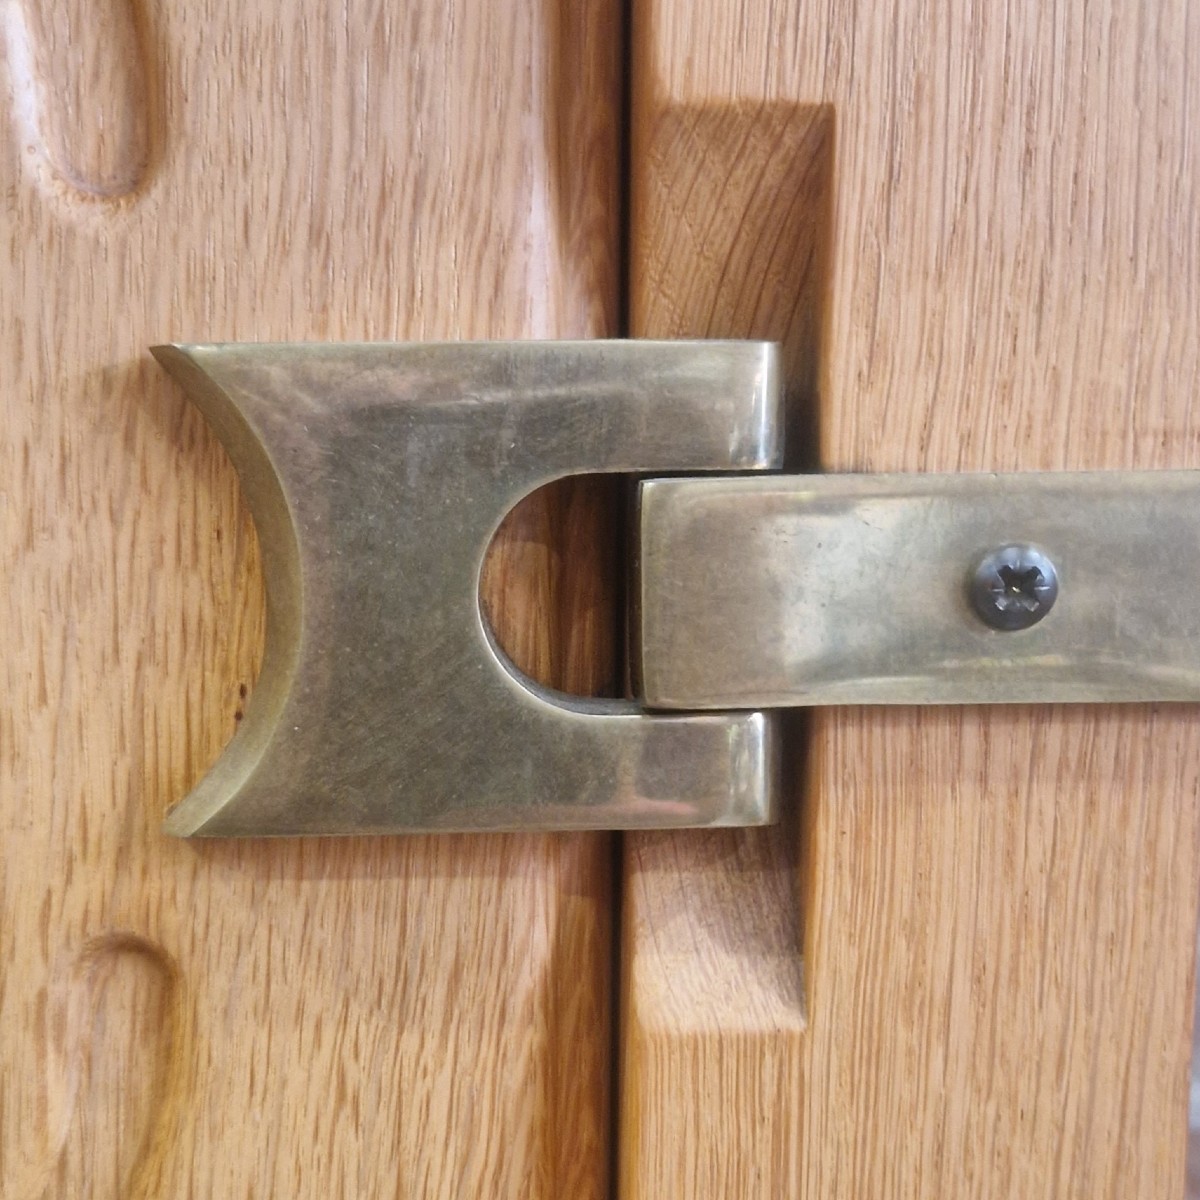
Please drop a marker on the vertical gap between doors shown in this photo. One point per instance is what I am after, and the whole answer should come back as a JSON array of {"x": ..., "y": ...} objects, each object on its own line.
[{"x": 624, "y": 221}]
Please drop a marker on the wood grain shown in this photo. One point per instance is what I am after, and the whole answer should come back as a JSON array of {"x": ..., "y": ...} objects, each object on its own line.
[
  {"x": 998, "y": 906},
  {"x": 422, "y": 1017}
]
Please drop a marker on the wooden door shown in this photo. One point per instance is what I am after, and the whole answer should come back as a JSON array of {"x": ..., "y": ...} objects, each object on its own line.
[
  {"x": 960, "y": 967},
  {"x": 964, "y": 969},
  {"x": 380, "y": 1017}
]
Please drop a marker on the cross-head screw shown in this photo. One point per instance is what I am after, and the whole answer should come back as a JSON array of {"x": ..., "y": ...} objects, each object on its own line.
[{"x": 1013, "y": 586}]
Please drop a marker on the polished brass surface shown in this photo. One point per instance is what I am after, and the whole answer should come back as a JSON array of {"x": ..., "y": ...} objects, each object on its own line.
[
  {"x": 855, "y": 589},
  {"x": 377, "y": 475}
]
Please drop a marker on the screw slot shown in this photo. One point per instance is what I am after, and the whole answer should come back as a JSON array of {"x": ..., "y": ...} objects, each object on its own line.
[{"x": 1013, "y": 587}]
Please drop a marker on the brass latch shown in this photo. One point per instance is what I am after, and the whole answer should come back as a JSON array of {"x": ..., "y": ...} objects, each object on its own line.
[{"x": 378, "y": 474}]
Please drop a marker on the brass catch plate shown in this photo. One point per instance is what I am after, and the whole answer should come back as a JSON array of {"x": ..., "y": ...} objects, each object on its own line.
[{"x": 377, "y": 476}]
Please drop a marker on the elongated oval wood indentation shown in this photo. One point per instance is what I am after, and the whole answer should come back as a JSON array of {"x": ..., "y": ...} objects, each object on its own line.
[
  {"x": 81, "y": 91},
  {"x": 112, "y": 1065}
]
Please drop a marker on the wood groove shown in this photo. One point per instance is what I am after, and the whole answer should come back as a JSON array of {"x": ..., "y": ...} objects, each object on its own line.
[
  {"x": 83, "y": 88},
  {"x": 113, "y": 1030}
]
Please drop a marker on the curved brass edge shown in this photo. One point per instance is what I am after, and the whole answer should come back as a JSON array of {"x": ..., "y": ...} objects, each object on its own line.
[{"x": 263, "y": 489}]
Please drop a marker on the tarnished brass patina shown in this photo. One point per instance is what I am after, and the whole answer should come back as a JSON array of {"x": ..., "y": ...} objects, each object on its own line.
[{"x": 377, "y": 476}]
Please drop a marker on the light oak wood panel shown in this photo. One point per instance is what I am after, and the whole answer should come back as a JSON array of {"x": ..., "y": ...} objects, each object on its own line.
[
  {"x": 370, "y": 1017},
  {"x": 998, "y": 907}
]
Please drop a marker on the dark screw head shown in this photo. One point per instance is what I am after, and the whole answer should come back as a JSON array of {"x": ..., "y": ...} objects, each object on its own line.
[{"x": 1014, "y": 587}]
